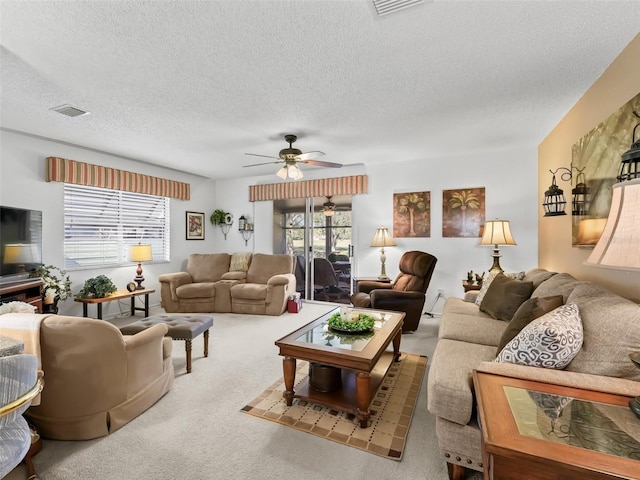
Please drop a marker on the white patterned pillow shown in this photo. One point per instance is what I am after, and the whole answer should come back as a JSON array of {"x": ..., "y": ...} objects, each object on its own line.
[
  {"x": 489, "y": 279},
  {"x": 240, "y": 262},
  {"x": 550, "y": 341}
]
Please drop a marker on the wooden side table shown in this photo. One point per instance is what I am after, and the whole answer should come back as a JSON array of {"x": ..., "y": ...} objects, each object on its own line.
[
  {"x": 117, "y": 295},
  {"x": 552, "y": 432}
]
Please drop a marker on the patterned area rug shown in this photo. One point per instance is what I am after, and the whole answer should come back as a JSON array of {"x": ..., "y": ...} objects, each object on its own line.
[{"x": 391, "y": 410}]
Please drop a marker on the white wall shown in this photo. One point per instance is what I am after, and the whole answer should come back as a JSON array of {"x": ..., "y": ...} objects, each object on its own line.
[
  {"x": 22, "y": 184},
  {"x": 509, "y": 178}
]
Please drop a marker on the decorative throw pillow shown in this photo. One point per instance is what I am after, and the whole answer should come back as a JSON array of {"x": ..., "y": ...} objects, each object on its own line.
[
  {"x": 550, "y": 341},
  {"x": 504, "y": 296},
  {"x": 527, "y": 312},
  {"x": 240, "y": 262},
  {"x": 487, "y": 283}
]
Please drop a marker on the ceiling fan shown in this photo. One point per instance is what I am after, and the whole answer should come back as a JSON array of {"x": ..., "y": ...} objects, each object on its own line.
[{"x": 291, "y": 157}]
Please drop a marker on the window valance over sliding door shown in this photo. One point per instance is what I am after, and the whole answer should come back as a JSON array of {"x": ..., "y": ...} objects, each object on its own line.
[
  {"x": 309, "y": 188},
  {"x": 70, "y": 171}
]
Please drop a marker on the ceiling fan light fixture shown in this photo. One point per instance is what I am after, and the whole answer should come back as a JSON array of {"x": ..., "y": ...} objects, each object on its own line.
[
  {"x": 282, "y": 173},
  {"x": 294, "y": 172}
]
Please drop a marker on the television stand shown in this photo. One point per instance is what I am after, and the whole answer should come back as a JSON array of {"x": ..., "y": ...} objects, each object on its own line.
[{"x": 28, "y": 291}]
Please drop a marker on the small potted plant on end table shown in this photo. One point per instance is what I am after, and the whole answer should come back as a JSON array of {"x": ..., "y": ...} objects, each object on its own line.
[{"x": 57, "y": 286}]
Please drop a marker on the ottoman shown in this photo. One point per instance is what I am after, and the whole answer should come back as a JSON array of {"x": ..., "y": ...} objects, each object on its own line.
[{"x": 181, "y": 327}]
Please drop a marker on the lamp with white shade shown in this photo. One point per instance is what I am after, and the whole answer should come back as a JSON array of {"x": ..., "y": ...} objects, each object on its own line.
[
  {"x": 619, "y": 244},
  {"x": 382, "y": 238},
  {"x": 497, "y": 232},
  {"x": 140, "y": 253}
]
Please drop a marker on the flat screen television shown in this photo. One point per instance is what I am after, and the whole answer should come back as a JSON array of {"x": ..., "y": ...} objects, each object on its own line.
[{"x": 20, "y": 243}]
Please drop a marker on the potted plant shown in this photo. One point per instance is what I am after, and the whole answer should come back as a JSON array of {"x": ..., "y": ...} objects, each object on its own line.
[
  {"x": 57, "y": 285},
  {"x": 97, "y": 287},
  {"x": 219, "y": 217}
]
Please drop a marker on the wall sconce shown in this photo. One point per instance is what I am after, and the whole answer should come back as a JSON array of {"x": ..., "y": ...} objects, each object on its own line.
[
  {"x": 226, "y": 226},
  {"x": 630, "y": 163},
  {"x": 497, "y": 232},
  {"x": 245, "y": 228},
  {"x": 140, "y": 253},
  {"x": 382, "y": 238},
  {"x": 554, "y": 202}
]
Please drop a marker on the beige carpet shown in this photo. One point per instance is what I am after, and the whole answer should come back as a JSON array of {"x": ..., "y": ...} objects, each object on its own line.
[{"x": 391, "y": 409}]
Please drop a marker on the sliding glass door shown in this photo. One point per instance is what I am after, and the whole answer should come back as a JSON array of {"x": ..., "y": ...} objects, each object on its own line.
[{"x": 318, "y": 232}]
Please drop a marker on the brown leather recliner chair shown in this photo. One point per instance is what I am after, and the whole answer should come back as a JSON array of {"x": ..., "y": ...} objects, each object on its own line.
[{"x": 405, "y": 294}]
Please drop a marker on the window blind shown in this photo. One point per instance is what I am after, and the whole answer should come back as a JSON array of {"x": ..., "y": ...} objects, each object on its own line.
[{"x": 100, "y": 224}]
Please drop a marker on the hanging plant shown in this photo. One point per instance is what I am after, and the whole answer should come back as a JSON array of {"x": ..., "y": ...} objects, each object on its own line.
[{"x": 218, "y": 217}]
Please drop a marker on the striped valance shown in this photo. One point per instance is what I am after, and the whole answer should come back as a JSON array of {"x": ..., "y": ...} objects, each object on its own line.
[
  {"x": 70, "y": 171},
  {"x": 309, "y": 188}
]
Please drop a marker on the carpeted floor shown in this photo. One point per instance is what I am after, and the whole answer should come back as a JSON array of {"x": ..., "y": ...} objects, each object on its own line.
[
  {"x": 198, "y": 432},
  {"x": 391, "y": 410}
]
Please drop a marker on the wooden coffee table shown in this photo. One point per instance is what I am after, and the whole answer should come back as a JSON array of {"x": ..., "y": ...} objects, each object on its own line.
[
  {"x": 362, "y": 360},
  {"x": 552, "y": 432}
]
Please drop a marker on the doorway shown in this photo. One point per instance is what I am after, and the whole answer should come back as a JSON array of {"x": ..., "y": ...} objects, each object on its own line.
[{"x": 317, "y": 231}]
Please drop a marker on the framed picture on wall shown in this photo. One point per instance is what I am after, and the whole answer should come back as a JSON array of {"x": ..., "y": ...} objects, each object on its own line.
[
  {"x": 412, "y": 214},
  {"x": 195, "y": 226},
  {"x": 462, "y": 212}
]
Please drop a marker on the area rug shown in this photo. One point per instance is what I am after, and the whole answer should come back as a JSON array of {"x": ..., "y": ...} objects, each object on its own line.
[{"x": 391, "y": 409}]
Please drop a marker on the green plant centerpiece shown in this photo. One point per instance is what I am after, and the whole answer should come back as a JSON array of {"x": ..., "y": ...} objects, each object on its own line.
[
  {"x": 57, "y": 283},
  {"x": 97, "y": 287},
  {"x": 219, "y": 217},
  {"x": 351, "y": 322}
]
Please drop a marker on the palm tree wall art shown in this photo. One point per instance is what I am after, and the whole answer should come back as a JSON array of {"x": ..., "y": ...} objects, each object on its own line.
[
  {"x": 412, "y": 214},
  {"x": 463, "y": 212}
]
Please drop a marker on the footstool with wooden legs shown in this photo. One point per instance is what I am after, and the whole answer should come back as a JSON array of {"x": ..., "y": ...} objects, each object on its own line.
[{"x": 181, "y": 327}]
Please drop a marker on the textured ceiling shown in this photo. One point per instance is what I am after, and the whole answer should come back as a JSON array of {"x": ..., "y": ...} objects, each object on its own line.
[{"x": 193, "y": 85}]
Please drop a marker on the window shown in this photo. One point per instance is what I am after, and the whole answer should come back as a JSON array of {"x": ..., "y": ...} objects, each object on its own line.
[{"x": 100, "y": 224}]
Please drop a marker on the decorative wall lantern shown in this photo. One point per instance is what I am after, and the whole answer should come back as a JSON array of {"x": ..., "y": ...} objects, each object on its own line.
[
  {"x": 554, "y": 202},
  {"x": 630, "y": 163}
]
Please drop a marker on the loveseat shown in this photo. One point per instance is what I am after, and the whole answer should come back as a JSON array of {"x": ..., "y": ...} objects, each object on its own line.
[
  {"x": 96, "y": 379},
  {"x": 221, "y": 282},
  {"x": 469, "y": 339}
]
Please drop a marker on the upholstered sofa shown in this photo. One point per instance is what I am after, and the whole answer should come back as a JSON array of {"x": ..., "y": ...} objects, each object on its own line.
[
  {"x": 240, "y": 283},
  {"x": 96, "y": 379},
  {"x": 469, "y": 339}
]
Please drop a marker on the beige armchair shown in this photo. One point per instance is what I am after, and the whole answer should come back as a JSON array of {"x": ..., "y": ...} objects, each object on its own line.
[{"x": 97, "y": 380}]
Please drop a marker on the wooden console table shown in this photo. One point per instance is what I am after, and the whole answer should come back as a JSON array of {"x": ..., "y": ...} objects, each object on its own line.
[
  {"x": 28, "y": 291},
  {"x": 118, "y": 295},
  {"x": 552, "y": 432}
]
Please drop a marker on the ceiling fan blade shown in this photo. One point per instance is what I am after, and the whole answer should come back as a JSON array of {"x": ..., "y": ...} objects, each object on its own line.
[
  {"x": 320, "y": 163},
  {"x": 265, "y": 163},
  {"x": 309, "y": 155},
  {"x": 265, "y": 156}
]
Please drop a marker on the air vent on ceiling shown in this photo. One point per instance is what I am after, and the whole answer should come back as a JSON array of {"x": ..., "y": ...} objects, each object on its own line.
[
  {"x": 69, "y": 110},
  {"x": 384, "y": 7}
]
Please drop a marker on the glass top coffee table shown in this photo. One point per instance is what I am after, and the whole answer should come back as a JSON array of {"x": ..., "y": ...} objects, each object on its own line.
[{"x": 345, "y": 369}]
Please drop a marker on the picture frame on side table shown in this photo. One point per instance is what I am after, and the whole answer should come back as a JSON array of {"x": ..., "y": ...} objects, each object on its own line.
[{"x": 195, "y": 226}]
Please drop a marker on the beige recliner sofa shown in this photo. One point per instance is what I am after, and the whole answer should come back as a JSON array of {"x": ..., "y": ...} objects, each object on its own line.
[
  {"x": 240, "y": 283},
  {"x": 96, "y": 379}
]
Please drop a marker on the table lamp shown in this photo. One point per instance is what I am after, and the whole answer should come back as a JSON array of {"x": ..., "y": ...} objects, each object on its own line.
[
  {"x": 382, "y": 238},
  {"x": 140, "y": 253},
  {"x": 497, "y": 232}
]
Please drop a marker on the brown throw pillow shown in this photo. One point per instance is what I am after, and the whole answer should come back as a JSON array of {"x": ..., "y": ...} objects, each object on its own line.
[
  {"x": 527, "y": 312},
  {"x": 504, "y": 296}
]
